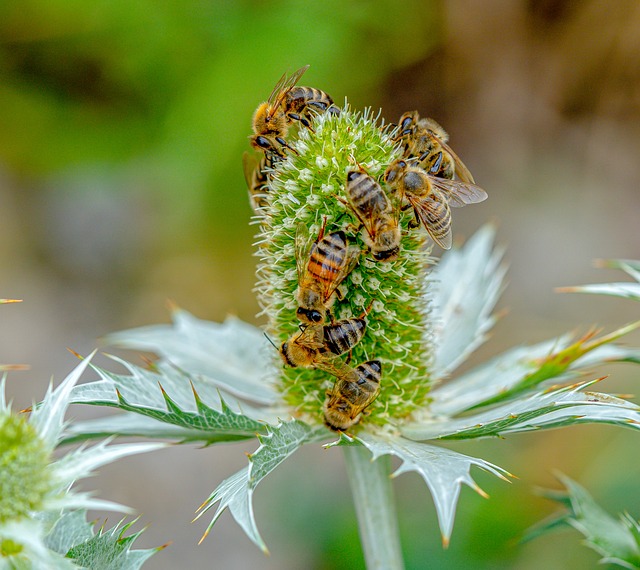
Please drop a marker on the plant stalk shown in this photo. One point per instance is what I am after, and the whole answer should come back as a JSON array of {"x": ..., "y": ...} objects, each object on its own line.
[{"x": 375, "y": 508}]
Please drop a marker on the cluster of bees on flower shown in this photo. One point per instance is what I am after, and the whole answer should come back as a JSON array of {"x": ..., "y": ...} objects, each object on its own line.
[{"x": 421, "y": 179}]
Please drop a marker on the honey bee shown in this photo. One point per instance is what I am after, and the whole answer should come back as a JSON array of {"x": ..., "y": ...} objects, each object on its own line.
[
  {"x": 316, "y": 345},
  {"x": 431, "y": 197},
  {"x": 380, "y": 221},
  {"x": 354, "y": 390},
  {"x": 321, "y": 269},
  {"x": 257, "y": 174},
  {"x": 287, "y": 103},
  {"x": 257, "y": 178},
  {"x": 426, "y": 140}
]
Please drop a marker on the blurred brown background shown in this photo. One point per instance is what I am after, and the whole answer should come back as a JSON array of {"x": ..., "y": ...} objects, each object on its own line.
[{"x": 122, "y": 126}]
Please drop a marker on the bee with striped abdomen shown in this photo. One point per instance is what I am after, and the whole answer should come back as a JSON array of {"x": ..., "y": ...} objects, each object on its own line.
[
  {"x": 430, "y": 197},
  {"x": 322, "y": 266},
  {"x": 287, "y": 103},
  {"x": 353, "y": 390},
  {"x": 380, "y": 220},
  {"x": 315, "y": 346},
  {"x": 426, "y": 140}
]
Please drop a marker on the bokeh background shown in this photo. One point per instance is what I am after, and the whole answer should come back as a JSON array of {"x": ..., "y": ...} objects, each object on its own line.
[{"x": 122, "y": 125}]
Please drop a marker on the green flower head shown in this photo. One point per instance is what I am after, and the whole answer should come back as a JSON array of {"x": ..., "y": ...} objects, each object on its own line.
[{"x": 306, "y": 198}]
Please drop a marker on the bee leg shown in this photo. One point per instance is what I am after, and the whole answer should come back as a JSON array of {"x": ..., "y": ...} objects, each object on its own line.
[
  {"x": 341, "y": 292},
  {"x": 322, "y": 228},
  {"x": 349, "y": 357},
  {"x": 302, "y": 119},
  {"x": 436, "y": 166},
  {"x": 415, "y": 221},
  {"x": 285, "y": 144},
  {"x": 366, "y": 311}
]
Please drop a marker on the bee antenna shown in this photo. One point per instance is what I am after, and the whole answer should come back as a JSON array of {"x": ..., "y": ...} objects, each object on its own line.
[{"x": 269, "y": 339}]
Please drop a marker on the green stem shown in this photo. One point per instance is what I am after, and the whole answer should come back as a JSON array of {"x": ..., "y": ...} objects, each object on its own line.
[{"x": 375, "y": 508}]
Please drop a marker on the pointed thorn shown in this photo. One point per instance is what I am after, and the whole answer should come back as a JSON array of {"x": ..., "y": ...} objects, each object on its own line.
[
  {"x": 147, "y": 361},
  {"x": 13, "y": 367},
  {"x": 5, "y": 301},
  {"x": 445, "y": 541},
  {"x": 206, "y": 533},
  {"x": 572, "y": 289},
  {"x": 173, "y": 308},
  {"x": 78, "y": 356}
]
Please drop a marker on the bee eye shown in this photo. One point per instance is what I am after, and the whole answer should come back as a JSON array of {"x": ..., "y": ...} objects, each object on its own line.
[
  {"x": 263, "y": 142},
  {"x": 315, "y": 316}
]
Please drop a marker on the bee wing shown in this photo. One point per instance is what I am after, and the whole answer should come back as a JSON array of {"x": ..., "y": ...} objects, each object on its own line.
[
  {"x": 311, "y": 336},
  {"x": 334, "y": 365},
  {"x": 435, "y": 215},
  {"x": 284, "y": 85},
  {"x": 350, "y": 261},
  {"x": 461, "y": 170},
  {"x": 457, "y": 192},
  {"x": 302, "y": 247},
  {"x": 249, "y": 164},
  {"x": 370, "y": 222}
]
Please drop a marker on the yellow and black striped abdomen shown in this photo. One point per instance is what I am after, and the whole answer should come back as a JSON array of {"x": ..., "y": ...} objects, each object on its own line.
[
  {"x": 327, "y": 259},
  {"x": 299, "y": 98},
  {"x": 342, "y": 336},
  {"x": 366, "y": 195}
]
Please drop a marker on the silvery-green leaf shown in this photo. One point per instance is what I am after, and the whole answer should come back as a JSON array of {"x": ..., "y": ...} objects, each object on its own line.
[
  {"x": 68, "y": 529},
  {"x": 278, "y": 444},
  {"x": 467, "y": 284},
  {"x": 48, "y": 417},
  {"x": 167, "y": 395},
  {"x": 234, "y": 355},
  {"x": 111, "y": 550},
  {"x": 521, "y": 370},
  {"x": 443, "y": 470},
  {"x": 616, "y": 540},
  {"x": 77, "y": 500},
  {"x": 28, "y": 534},
  {"x": 629, "y": 266},
  {"x": 129, "y": 424},
  {"x": 564, "y": 406},
  {"x": 491, "y": 378},
  {"x": 624, "y": 290},
  {"x": 82, "y": 461},
  {"x": 4, "y": 407},
  {"x": 236, "y": 492},
  {"x": 141, "y": 388}
]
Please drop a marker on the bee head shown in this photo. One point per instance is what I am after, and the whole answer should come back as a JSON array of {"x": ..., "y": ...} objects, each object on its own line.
[
  {"x": 387, "y": 254},
  {"x": 309, "y": 315}
]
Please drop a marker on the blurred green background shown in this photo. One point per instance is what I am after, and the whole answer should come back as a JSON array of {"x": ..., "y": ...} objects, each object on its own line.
[{"x": 122, "y": 126}]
